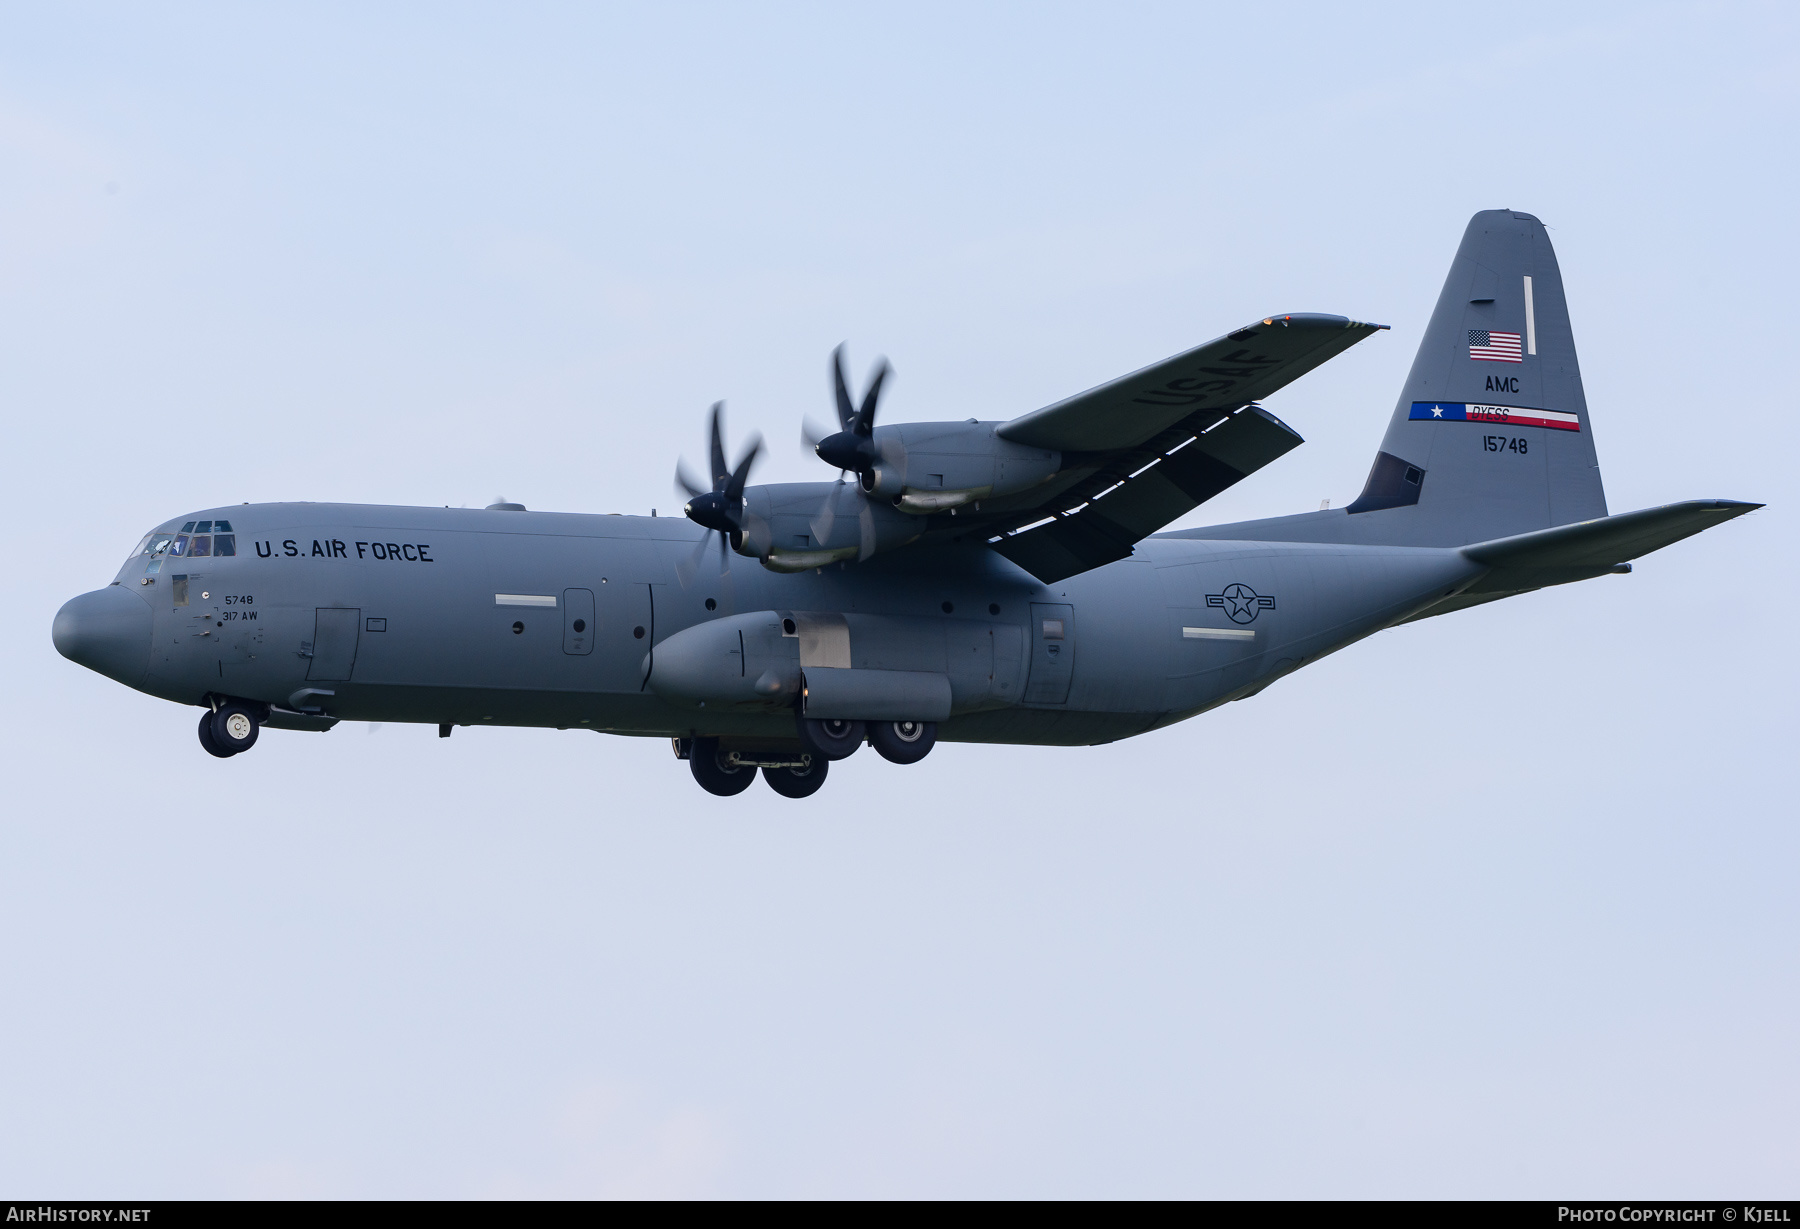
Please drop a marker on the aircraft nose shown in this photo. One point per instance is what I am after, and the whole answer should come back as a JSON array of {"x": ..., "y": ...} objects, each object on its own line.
[{"x": 107, "y": 631}]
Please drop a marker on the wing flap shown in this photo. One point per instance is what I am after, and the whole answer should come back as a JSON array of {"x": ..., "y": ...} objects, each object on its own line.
[
  {"x": 1158, "y": 489},
  {"x": 1243, "y": 366}
]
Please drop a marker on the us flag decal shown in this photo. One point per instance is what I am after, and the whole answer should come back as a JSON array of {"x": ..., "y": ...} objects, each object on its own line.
[{"x": 1493, "y": 346}]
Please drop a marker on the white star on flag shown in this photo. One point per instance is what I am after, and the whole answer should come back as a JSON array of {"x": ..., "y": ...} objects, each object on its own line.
[{"x": 1437, "y": 411}]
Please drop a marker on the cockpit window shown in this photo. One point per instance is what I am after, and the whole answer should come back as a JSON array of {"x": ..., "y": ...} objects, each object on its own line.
[
  {"x": 224, "y": 543},
  {"x": 200, "y": 545},
  {"x": 221, "y": 526},
  {"x": 142, "y": 548},
  {"x": 180, "y": 544},
  {"x": 203, "y": 527},
  {"x": 159, "y": 543},
  {"x": 188, "y": 528}
]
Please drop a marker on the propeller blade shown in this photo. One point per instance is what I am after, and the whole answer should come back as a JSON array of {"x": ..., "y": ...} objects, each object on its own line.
[
  {"x": 866, "y": 523},
  {"x": 720, "y": 471},
  {"x": 865, "y": 417},
  {"x": 757, "y": 538},
  {"x": 734, "y": 483},
  {"x": 845, "y": 411},
  {"x": 726, "y": 596},
  {"x": 688, "y": 568},
  {"x": 822, "y": 523},
  {"x": 684, "y": 481}
]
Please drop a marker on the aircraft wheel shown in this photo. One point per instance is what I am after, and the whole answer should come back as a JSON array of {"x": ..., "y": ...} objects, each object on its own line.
[
  {"x": 798, "y": 782},
  {"x": 206, "y": 737},
  {"x": 714, "y": 774},
  {"x": 234, "y": 727},
  {"x": 831, "y": 738},
  {"x": 903, "y": 742}
]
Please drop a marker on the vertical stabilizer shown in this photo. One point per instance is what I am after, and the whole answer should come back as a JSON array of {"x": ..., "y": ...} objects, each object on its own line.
[{"x": 1491, "y": 436}]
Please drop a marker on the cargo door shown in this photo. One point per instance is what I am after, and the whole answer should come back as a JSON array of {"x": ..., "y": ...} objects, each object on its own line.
[
  {"x": 578, "y": 622},
  {"x": 1052, "y": 653},
  {"x": 335, "y": 631}
]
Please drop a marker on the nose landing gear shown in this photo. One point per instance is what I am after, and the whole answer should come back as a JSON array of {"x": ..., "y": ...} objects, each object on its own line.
[{"x": 230, "y": 728}]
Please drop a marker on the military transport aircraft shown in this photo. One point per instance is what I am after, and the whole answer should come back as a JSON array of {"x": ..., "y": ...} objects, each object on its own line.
[{"x": 998, "y": 582}]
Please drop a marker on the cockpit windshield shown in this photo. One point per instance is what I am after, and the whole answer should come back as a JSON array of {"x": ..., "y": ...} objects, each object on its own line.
[{"x": 196, "y": 539}]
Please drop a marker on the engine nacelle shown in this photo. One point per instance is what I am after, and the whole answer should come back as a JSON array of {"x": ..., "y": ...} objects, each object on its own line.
[
  {"x": 931, "y": 467},
  {"x": 798, "y": 526}
]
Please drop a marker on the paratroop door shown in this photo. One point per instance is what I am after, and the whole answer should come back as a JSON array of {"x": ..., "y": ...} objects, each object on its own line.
[
  {"x": 1052, "y": 653},
  {"x": 334, "y": 644}
]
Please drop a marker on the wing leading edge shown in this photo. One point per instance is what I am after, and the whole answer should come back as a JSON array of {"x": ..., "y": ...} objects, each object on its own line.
[{"x": 1243, "y": 366}]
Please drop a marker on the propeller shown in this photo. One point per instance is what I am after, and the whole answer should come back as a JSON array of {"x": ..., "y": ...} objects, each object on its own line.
[
  {"x": 852, "y": 449},
  {"x": 719, "y": 508}
]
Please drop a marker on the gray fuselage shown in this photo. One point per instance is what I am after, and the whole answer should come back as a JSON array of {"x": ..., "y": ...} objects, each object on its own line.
[{"x": 456, "y": 616}]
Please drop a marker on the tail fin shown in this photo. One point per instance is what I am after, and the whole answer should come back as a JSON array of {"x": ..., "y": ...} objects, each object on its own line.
[{"x": 1491, "y": 437}]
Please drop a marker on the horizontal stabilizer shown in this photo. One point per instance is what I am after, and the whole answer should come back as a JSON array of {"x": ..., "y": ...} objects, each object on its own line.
[
  {"x": 1584, "y": 550},
  {"x": 1595, "y": 546}
]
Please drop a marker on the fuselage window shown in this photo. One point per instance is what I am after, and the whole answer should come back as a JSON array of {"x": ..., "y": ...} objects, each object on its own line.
[
  {"x": 224, "y": 543},
  {"x": 201, "y": 544}
]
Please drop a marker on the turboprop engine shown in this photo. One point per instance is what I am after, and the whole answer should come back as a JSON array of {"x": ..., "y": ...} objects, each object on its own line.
[
  {"x": 922, "y": 468},
  {"x": 928, "y": 467}
]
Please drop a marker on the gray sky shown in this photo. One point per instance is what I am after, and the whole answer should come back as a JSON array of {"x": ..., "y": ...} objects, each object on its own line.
[{"x": 1500, "y": 904}]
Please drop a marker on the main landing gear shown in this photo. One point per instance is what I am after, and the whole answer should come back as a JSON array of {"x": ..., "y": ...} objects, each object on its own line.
[
  {"x": 728, "y": 771},
  {"x": 230, "y": 727},
  {"x": 798, "y": 772}
]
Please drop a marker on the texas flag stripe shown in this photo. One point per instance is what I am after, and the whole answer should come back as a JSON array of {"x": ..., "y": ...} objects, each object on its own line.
[{"x": 1501, "y": 415}]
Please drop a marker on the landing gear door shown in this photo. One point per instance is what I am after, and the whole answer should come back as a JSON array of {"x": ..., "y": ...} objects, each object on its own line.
[
  {"x": 578, "y": 621},
  {"x": 1052, "y": 653},
  {"x": 334, "y": 644}
]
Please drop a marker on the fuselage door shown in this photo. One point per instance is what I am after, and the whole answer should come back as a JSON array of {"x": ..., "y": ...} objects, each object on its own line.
[
  {"x": 334, "y": 644},
  {"x": 1052, "y": 653},
  {"x": 578, "y": 621}
]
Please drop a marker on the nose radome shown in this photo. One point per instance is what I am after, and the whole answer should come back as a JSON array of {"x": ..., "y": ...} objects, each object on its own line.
[{"x": 107, "y": 631}]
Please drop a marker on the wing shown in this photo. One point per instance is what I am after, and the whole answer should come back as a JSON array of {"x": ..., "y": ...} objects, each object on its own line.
[
  {"x": 1152, "y": 446},
  {"x": 1240, "y": 367}
]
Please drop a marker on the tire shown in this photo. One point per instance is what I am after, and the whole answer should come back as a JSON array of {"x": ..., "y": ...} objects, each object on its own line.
[
  {"x": 903, "y": 742},
  {"x": 715, "y": 776},
  {"x": 206, "y": 737},
  {"x": 832, "y": 739},
  {"x": 234, "y": 727},
  {"x": 798, "y": 782}
]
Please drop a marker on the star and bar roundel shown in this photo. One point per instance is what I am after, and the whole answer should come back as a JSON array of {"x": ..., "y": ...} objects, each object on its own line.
[{"x": 1240, "y": 603}]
